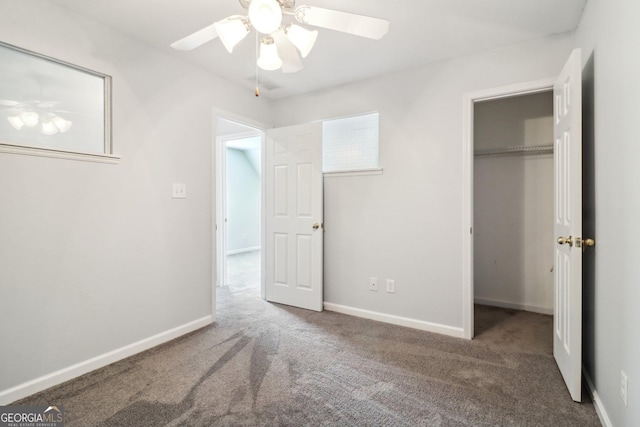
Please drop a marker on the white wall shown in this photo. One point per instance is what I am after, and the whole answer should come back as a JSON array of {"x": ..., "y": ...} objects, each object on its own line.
[
  {"x": 609, "y": 35},
  {"x": 95, "y": 257},
  {"x": 243, "y": 203},
  {"x": 407, "y": 223},
  {"x": 513, "y": 204}
]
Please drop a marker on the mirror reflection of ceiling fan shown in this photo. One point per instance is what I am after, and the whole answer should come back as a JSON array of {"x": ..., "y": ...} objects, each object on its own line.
[
  {"x": 282, "y": 40},
  {"x": 29, "y": 114}
]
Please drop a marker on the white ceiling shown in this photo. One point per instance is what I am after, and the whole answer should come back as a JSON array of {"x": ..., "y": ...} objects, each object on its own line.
[{"x": 421, "y": 31}]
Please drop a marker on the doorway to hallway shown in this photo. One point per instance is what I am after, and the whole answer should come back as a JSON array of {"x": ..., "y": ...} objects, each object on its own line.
[{"x": 239, "y": 207}]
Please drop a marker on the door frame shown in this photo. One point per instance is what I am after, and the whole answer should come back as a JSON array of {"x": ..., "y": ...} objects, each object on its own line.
[
  {"x": 218, "y": 187},
  {"x": 469, "y": 100}
]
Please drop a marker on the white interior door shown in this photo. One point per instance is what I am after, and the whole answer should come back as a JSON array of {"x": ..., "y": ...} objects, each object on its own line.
[
  {"x": 567, "y": 334},
  {"x": 294, "y": 214}
]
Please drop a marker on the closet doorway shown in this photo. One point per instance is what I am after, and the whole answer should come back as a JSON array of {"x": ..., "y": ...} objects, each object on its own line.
[{"x": 513, "y": 203}]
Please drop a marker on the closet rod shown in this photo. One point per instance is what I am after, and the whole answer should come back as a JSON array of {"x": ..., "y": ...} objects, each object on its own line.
[{"x": 524, "y": 149}]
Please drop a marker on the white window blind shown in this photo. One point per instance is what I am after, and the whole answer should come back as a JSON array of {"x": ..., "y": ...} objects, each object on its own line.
[{"x": 350, "y": 143}]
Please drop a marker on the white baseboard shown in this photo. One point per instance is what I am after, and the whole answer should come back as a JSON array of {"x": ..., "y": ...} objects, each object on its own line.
[
  {"x": 514, "y": 306},
  {"x": 30, "y": 387},
  {"x": 597, "y": 402},
  {"x": 243, "y": 250},
  {"x": 396, "y": 320}
]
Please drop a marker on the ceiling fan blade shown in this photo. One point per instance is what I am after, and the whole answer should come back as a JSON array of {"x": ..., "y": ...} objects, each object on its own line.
[
  {"x": 196, "y": 39},
  {"x": 291, "y": 62},
  {"x": 359, "y": 25}
]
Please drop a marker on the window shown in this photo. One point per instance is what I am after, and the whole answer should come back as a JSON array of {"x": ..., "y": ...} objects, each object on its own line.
[
  {"x": 350, "y": 144},
  {"x": 53, "y": 108}
]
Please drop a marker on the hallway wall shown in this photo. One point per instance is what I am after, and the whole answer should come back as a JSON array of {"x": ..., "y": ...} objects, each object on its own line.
[{"x": 243, "y": 203}]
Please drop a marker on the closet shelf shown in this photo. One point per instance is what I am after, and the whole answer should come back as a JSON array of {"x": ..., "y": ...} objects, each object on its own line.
[{"x": 524, "y": 149}]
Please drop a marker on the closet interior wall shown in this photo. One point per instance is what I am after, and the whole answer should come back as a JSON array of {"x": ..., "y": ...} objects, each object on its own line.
[{"x": 513, "y": 202}]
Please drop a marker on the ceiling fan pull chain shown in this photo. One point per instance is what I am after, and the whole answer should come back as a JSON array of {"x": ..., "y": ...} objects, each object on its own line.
[{"x": 257, "y": 68}]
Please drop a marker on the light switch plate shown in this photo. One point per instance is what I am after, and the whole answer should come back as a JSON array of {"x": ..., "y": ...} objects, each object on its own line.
[
  {"x": 391, "y": 286},
  {"x": 179, "y": 191}
]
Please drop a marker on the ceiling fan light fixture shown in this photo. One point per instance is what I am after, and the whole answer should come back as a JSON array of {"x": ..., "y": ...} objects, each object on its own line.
[
  {"x": 231, "y": 31},
  {"x": 29, "y": 118},
  {"x": 265, "y": 15},
  {"x": 62, "y": 124},
  {"x": 16, "y": 122},
  {"x": 302, "y": 38},
  {"x": 269, "y": 59},
  {"x": 49, "y": 128}
]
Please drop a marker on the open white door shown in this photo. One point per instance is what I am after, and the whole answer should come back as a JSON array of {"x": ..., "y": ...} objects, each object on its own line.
[
  {"x": 293, "y": 215},
  {"x": 567, "y": 331}
]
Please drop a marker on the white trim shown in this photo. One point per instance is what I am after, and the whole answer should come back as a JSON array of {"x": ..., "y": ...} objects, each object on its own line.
[
  {"x": 58, "y": 154},
  {"x": 469, "y": 99},
  {"x": 508, "y": 91},
  {"x": 220, "y": 210},
  {"x": 354, "y": 172},
  {"x": 263, "y": 216},
  {"x": 514, "y": 306},
  {"x": 467, "y": 217},
  {"x": 240, "y": 135},
  {"x": 44, "y": 382},
  {"x": 396, "y": 320},
  {"x": 214, "y": 255},
  {"x": 243, "y": 250},
  {"x": 597, "y": 402}
]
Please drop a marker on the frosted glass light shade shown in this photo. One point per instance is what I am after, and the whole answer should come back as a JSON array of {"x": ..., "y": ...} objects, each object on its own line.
[
  {"x": 49, "y": 128},
  {"x": 265, "y": 15},
  {"x": 16, "y": 122},
  {"x": 231, "y": 32},
  {"x": 269, "y": 59},
  {"x": 302, "y": 38},
  {"x": 29, "y": 118},
  {"x": 62, "y": 124}
]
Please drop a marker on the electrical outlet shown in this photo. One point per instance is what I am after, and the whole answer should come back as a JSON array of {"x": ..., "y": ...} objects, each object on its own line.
[
  {"x": 373, "y": 284},
  {"x": 391, "y": 286},
  {"x": 623, "y": 388}
]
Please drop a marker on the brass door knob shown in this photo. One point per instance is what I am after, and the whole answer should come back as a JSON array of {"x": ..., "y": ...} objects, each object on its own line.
[
  {"x": 565, "y": 240},
  {"x": 316, "y": 226},
  {"x": 587, "y": 243}
]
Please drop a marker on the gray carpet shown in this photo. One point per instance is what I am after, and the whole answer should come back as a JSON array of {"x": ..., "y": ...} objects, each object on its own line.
[
  {"x": 262, "y": 364},
  {"x": 243, "y": 272}
]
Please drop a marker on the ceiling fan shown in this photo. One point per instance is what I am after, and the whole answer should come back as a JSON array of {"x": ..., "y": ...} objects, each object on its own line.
[
  {"x": 282, "y": 40},
  {"x": 30, "y": 114}
]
